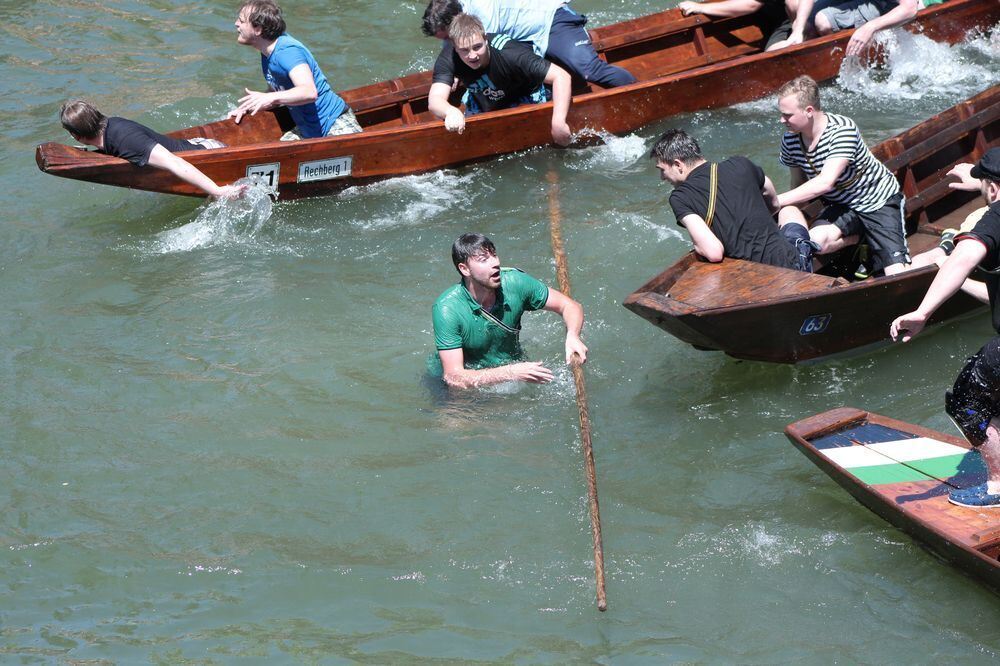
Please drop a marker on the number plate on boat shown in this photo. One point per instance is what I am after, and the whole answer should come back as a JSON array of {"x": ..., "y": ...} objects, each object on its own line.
[
  {"x": 268, "y": 173},
  {"x": 815, "y": 324},
  {"x": 335, "y": 167}
]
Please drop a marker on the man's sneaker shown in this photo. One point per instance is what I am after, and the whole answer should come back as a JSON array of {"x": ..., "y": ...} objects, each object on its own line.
[
  {"x": 806, "y": 249},
  {"x": 975, "y": 497},
  {"x": 948, "y": 240},
  {"x": 862, "y": 256}
]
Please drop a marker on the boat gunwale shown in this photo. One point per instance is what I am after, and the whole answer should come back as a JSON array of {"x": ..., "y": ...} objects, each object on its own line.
[{"x": 837, "y": 419}]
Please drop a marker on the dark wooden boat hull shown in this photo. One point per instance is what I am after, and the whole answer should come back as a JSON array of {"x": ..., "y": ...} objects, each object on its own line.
[
  {"x": 683, "y": 64},
  {"x": 764, "y": 313},
  {"x": 888, "y": 467}
]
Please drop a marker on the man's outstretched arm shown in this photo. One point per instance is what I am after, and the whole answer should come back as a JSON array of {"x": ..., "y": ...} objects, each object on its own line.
[
  {"x": 162, "y": 158},
  {"x": 457, "y": 375},
  {"x": 572, "y": 315}
]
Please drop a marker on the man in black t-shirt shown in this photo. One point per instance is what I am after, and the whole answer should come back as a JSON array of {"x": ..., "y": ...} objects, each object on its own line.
[
  {"x": 140, "y": 145},
  {"x": 498, "y": 73},
  {"x": 974, "y": 401},
  {"x": 737, "y": 220}
]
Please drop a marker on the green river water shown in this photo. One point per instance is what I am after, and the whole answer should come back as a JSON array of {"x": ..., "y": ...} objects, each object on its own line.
[{"x": 220, "y": 444}]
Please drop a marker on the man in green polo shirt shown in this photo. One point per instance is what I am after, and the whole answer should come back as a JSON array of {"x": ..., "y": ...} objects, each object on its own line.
[{"x": 477, "y": 321}]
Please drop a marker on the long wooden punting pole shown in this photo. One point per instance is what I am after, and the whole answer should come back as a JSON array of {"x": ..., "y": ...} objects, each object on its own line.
[{"x": 562, "y": 276}]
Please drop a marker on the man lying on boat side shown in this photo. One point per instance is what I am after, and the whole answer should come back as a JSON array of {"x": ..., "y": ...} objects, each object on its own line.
[
  {"x": 790, "y": 16},
  {"x": 477, "y": 321},
  {"x": 556, "y": 32},
  {"x": 974, "y": 401},
  {"x": 293, "y": 77},
  {"x": 867, "y": 16},
  {"x": 498, "y": 73},
  {"x": 140, "y": 145},
  {"x": 829, "y": 159},
  {"x": 728, "y": 207}
]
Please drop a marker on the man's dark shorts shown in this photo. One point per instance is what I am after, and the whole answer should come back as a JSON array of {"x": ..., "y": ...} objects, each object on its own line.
[
  {"x": 975, "y": 398},
  {"x": 884, "y": 229}
]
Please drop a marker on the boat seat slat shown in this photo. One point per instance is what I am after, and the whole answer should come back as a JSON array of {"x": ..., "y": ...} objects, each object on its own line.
[
  {"x": 944, "y": 139},
  {"x": 627, "y": 38}
]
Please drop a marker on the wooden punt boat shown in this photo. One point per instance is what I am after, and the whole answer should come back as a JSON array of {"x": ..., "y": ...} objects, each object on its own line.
[
  {"x": 682, "y": 63},
  {"x": 904, "y": 473},
  {"x": 764, "y": 313}
]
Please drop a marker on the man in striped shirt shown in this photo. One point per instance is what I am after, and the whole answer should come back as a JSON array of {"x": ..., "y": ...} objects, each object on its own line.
[{"x": 828, "y": 159}]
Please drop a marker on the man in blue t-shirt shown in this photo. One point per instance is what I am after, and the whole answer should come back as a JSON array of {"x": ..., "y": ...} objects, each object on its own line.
[{"x": 293, "y": 77}]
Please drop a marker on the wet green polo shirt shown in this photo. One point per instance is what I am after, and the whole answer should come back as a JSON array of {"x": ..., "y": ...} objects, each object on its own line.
[{"x": 460, "y": 323}]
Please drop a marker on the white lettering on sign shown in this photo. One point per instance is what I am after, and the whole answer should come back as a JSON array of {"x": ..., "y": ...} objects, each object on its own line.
[
  {"x": 268, "y": 173},
  {"x": 335, "y": 167}
]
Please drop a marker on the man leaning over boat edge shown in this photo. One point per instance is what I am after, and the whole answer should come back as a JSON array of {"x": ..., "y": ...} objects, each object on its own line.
[
  {"x": 727, "y": 208},
  {"x": 294, "y": 78},
  {"x": 498, "y": 73},
  {"x": 974, "y": 401},
  {"x": 477, "y": 322},
  {"x": 556, "y": 32},
  {"x": 141, "y": 146}
]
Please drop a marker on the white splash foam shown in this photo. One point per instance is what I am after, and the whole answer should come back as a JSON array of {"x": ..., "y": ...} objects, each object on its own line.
[
  {"x": 411, "y": 200},
  {"x": 616, "y": 154},
  {"x": 660, "y": 231},
  {"x": 919, "y": 67},
  {"x": 221, "y": 221}
]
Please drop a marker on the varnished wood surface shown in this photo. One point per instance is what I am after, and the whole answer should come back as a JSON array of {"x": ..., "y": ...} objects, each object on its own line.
[
  {"x": 761, "y": 312},
  {"x": 970, "y": 538},
  {"x": 683, "y": 64}
]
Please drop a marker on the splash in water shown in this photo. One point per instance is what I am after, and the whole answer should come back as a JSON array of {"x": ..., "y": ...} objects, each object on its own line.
[
  {"x": 918, "y": 67},
  {"x": 222, "y": 221},
  {"x": 411, "y": 200},
  {"x": 612, "y": 154}
]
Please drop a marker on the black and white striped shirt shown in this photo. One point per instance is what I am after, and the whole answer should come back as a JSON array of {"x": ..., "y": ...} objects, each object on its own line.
[{"x": 864, "y": 186}]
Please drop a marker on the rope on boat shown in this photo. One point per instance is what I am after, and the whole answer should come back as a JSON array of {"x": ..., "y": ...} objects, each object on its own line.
[{"x": 562, "y": 276}]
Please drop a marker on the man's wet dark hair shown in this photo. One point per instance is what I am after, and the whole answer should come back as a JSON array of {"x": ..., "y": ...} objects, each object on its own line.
[
  {"x": 675, "y": 144},
  {"x": 82, "y": 119},
  {"x": 471, "y": 245},
  {"x": 266, "y": 15},
  {"x": 438, "y": 16}
]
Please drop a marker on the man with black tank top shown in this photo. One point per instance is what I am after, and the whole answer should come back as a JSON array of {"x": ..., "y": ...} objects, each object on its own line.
[
  {"x": 973, "y": 403},
  {"x": 728, "y": 207}
]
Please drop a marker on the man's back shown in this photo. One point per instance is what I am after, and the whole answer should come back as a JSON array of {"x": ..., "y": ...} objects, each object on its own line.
[{"x": 741, "y": 220}]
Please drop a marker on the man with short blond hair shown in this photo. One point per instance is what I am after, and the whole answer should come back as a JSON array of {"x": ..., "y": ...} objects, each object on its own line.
[
  {"x": 498, "y": 73},
  {"x": 556, "y": 32},
  {"x": 828, "y": 159}
]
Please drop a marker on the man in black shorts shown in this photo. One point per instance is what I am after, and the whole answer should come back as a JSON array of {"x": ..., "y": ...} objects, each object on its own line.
[
  {"x": 728, "y": 207},
  {"x": 498, "y": 73},
  {"x": 140, "y": 145},
  {"x": 828, "y": 159},
  {"x": 974, "y": 401}
]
